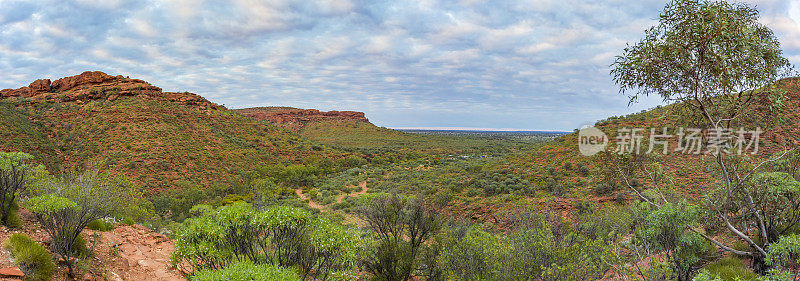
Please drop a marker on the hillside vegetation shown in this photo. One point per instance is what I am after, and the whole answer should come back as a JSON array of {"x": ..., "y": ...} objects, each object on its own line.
[
  {"x": 351, "y": 131},
  {"x": 129, "y": 127}
]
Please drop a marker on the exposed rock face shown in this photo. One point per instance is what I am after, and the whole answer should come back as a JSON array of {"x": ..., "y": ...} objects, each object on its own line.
[
  {"x": 295, "y": 116},
  {"x": 40, "y": 86},
  {"x": 86, "y": 78},
  {"x": 96, "y": 85}
]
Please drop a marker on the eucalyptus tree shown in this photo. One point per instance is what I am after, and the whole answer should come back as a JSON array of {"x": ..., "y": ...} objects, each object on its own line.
[{"x": 720, "y": 63}]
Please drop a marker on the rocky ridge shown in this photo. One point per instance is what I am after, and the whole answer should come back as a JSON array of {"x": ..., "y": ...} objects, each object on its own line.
[
  {"x": 96, "y": 85},
  {"x": 295, "y": 118}
]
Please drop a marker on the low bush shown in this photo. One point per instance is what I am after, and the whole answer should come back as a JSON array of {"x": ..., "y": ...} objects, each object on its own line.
[
  {"x": 13, "y": 220},
  {"x": 280, "y": 236},
  {"x": 401, "y": 226},
  {"x": 470, "y": 253},
  {"x": 546, "y": 248},
  {"x": 199, "y": 210},
  {"x": 31, "y": 258},
  {"x": 13, "y": 173},
  {"x": 79, "y": 248},
  {"x": 582, "y": 170},
  {"x": 127, "y": 221},
  {"x": 726, "y": 269},
  {"x": 100, "y": 225},
  {"x": 245, "y": 271},
  {"x": 665, "y": 230},
  {"x": 605, "y": 188}
]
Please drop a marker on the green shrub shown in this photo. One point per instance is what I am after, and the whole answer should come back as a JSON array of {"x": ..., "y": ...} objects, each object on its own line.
[
  {"x": 543, "y": 248},
  {"x": 470, "y": 254},
  {"x": 70, "y": 204},
  {"x": 100, "y": 225},
  {"x": 31, "y": 258},
  {"x": 199, "y": 210},
  {"x": 400, "y": 227},
  {"x": 245, "y": 271},
  {"x": 665, "y": 229},
  {"x": 785, "y": 250},
  {"x": 582, "y": 170},
  {"x": 605, "y": 188},
  {"x": 13, "y": 220},
  {"x": 280, "y": 235},
  {"x": 13, "y": 178},
  {"x": 79, "y": 248},
  {"x": 726, "y": 269}
]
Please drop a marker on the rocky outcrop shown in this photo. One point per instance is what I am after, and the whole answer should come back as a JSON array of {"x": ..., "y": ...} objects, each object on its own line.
[
  {"x": 293, "y": 115},
  {"x": 86, "y": 78},
  {"x": 96, "y": 85},
  {"x": 299, "y": 117}
]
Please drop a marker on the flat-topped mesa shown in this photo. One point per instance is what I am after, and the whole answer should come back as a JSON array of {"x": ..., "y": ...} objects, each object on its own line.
[
  {"x": 288, "y": 115},
  {"x": 96, "y": 85}
]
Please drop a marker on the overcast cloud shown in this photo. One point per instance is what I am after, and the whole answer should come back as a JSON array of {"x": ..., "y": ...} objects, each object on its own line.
[{"x": 502, "y": 64}]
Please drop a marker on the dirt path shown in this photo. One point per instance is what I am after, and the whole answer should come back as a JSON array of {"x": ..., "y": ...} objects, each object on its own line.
[
  {"x": 363, "y": 191},
  {"x": 348, "y": 218},
  {"x": 311, "y": 203}
]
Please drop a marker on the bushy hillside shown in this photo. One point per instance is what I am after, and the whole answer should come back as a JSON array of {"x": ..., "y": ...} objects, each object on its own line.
[
  {"x": 351, "y": 131},
  {"x": 155, "y": 138},
  {"x": 553, "y": 163},
  {"x": 20, "y": 129}
]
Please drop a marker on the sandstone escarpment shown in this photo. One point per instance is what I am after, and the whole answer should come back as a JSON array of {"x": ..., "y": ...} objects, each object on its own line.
[
  {"x": 293, "y": 118},
  {"x": 96, "y": 85}
]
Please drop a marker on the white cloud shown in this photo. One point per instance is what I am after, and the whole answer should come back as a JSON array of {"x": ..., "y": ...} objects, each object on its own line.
[
  {"x": 536, "y": 48},
  {"x": 379, "y": 44},
  {"x": 521, "y": 63}
]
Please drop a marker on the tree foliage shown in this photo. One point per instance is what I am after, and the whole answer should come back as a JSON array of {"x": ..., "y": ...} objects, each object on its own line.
[
  {"x": 717, "y": 59},
  {"x": 703, "y": 50}
]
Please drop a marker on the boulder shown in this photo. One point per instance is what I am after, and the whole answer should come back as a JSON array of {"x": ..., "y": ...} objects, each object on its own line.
[{"x": 11, "y": 272}]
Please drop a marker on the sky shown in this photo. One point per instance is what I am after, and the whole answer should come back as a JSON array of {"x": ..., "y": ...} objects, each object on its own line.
[{"x": 522, "y": 65}]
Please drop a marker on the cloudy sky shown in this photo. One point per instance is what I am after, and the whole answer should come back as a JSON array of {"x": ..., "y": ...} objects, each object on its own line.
[{"x": 536, "y": 64}]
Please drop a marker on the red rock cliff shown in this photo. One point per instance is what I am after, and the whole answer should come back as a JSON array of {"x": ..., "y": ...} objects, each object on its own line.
[
  {"x": 289, "y": 116},
  {"x": 96, "y": 85}
]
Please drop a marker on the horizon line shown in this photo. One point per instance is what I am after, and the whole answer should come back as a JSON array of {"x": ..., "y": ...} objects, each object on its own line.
[{"x": 477, "y": 129}]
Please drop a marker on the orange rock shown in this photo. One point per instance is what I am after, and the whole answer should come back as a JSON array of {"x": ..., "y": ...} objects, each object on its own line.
[
  {"x": 40, "y": 86},
  {"x": 86, "y": 78},
  {"x": 96, "y": 85},
  {"x": 11, "y": 272},
  {"x": 299, "y": 116}
]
